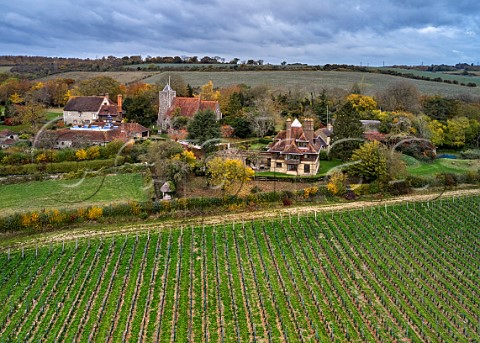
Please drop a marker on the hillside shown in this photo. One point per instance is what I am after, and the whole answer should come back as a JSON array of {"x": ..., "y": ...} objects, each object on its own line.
[{"x": 303, "y": 81}]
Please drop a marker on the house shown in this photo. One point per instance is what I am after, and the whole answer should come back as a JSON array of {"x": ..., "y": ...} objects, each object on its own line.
[
  {"x": 82, "y": 110},
  {"x": 170, "y": 105},
  {"x": 296, "y": 149}
]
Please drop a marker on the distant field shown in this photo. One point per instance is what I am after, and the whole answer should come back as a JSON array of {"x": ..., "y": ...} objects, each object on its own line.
[
  {"x": 120, "y": 76},
  {"x": 313, "y": 81},
  {"x": 302, "y": 81},
  {"x": 62, "y": 193},
  {"x": 443, "y": 75},
  {"x": 5, "y": 69}
]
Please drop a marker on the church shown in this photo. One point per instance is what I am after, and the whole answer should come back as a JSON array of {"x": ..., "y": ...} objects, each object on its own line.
[{"x": 170, "y": 105}]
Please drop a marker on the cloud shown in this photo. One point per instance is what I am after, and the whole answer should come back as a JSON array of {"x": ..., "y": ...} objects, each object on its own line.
[{"x": 318, "y": 32}]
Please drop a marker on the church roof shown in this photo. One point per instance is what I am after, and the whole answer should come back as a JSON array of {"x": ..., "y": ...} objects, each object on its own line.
[{"x": 188, "y": 107}]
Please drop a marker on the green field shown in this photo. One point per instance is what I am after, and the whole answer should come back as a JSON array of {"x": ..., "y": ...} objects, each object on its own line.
[
  {"x": 36, "y": 195},
  {"x": 442, "y": 165},
  {"x": 443, "y": 75},
  {"x": 403, "y": 273},
  {"x": 301, "y": 81}
]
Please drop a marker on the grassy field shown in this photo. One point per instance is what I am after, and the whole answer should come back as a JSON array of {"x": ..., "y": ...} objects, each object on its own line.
[
  {"x": 314, "y": 81},
  {"x": 5, "y": 69},
  {"x": 120, "y": 76},
  {"x": 71, "y": 193},
  {"x": 405, "y": 273},
  {"x": 301, "y": 81},
  {"x": 442, "y": 165},
  {"x": 443, "y": 75}
]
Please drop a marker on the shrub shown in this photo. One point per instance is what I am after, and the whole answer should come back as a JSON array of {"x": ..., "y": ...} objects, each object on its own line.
[
  {"x": 310, "y": 192},
  {"x": 337, "y": 185},
  {"x": 94, "y": 213},
  {"x": 471, "y": 154},
  {"x": 81, "y": 155}
]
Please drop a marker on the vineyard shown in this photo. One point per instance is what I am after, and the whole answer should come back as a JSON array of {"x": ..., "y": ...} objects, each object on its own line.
[{"x": 397, "y": 273}]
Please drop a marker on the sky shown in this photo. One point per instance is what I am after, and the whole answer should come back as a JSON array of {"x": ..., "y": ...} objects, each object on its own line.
[{"x": 367, "y": 32}]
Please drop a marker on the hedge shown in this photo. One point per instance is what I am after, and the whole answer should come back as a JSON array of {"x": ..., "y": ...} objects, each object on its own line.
[{"x": 59, "y": 167}]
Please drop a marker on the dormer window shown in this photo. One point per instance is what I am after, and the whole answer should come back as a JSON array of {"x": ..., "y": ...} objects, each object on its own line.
[{"x": 302, "y": 144}]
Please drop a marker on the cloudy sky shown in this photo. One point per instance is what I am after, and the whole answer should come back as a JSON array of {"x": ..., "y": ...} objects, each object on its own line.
[{"x": 363, "y": 32}]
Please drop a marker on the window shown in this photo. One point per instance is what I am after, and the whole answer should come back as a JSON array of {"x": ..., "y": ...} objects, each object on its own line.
[
  {"x": 306, "y": 169},
  {"x": 279, "y": 165},
  {"x": 302, "y": 144},
  {"x": 292, "y": 167}
]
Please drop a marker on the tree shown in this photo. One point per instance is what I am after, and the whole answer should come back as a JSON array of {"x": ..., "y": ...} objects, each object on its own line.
[
  {"x": 347, "y": 132},
  {"x": 141, "y": 109},
  {"x": 204, "y": 129},
  {"x": 165, "y": 164},
  {"x": 401, "y": 96},
  {"x": 373, "y": 161},
  {"x": 177, "y": 82},
  {"x": 208, "y": 93},
  {"x": 98, "y": 86},
  {"x": 32, "y": 115},
  {"x": 363, "y": 104},
  {"x": 456, "y": 132},
  {"x": 439, "y": 108},
  {"x": 437, "y": 132},
  {"x": 228, "y": 174}
]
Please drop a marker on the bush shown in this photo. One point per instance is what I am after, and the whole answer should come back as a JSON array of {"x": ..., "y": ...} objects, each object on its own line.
[
  {"x": 419, "y": 182},
  {"x": 325, "y": 156},
  {"x": 471, "y": 154},
  {"x": 400, "y": 187}
]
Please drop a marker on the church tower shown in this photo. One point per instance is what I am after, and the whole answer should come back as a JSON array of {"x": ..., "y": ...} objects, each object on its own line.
[{"x": 166, "y": 98}]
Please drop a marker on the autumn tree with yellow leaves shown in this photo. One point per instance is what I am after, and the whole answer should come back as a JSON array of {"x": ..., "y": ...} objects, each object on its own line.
[{"x": 228, "y": 174}]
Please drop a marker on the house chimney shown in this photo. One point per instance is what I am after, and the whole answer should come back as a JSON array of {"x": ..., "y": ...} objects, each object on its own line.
[
  {"x": 107, "y": 96},
  {"x": 288, "y": 131},
  {"x": 308, "y": 129},
  {"x": 119, "y": 104}
]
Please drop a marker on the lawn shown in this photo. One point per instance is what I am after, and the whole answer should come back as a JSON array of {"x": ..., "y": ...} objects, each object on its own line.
[
  {"x": 442, "y": 165},
  {"x": 68, "y": 193}
]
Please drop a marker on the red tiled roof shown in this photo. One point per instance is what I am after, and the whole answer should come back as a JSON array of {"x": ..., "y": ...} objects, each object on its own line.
[
  {"x": 133, "y": 127},
  {"x": 85, "y": 136},
  {"x": 190, "y": 106},
  {"x": 280, "y": 143}
]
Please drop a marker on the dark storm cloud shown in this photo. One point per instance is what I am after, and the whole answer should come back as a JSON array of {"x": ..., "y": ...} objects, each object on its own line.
[{"x": 302, "y": 31}]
